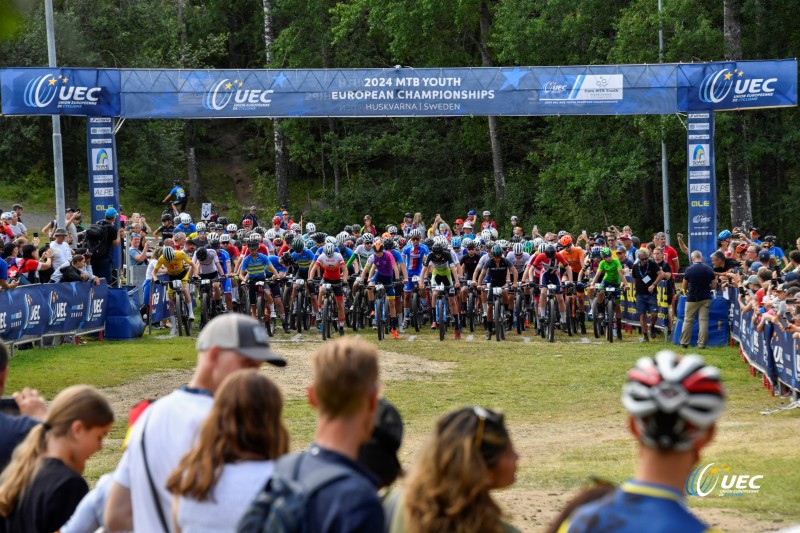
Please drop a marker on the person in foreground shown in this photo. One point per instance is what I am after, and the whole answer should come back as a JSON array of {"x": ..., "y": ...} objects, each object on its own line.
[
  {"x": 233, "y": 457},
  {"x": 469, "y": 454},
  {"x": 42, "y": 485},
  {"x": 339, "y": 494},
  {"x": 673, "y": 404}
]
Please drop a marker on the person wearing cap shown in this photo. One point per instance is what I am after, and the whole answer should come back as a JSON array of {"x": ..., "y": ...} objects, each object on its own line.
[
  {"x": 458, "y": 226},
  {"x": 488, "y": 223},
  {"x": 467, "y": 230},
  {"x": 627, "y": 243},
  {"x": 101, "y": 263},
  {"x": 755, "y": 236},
  {"x": 344, "y": 392},
  {"x": 673, "y": 406},
  {"x": 6, "y": 233},
  {"x": 62, "y": 253},
  {"x": 698, "y": 282},
  {"x": 251, "y": 216},
  {"x": 17, "y": 227},
  {"x": 514, "y": 224},
  {"x": 167, "y": 429},
  {"x": 472, "y": 218},
  {"x": 775, "y": 251}
]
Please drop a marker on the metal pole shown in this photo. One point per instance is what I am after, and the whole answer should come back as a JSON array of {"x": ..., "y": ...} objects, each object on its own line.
[
  {"x": 58, "y": 157},
  {"x": 664, "y": 173}
]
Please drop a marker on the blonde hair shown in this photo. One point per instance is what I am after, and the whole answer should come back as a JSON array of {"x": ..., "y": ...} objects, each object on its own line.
[
  {"x": 448, "y": 488},
  {"x": 345, "y": 372},
  {"x": 244, "y": 422},
  {"x": 79, "y": 402},
  {"x": 418, "y": 219}
]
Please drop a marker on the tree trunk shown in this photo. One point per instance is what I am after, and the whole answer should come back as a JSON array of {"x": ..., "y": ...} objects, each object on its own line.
[
  {"x": 281, "y": 158},
  {"x": 194, "y": 175},
  {"x": 741, "y": 207},
  {"x": 334, "y": 157},
  {"x": 494, "y": 134}
]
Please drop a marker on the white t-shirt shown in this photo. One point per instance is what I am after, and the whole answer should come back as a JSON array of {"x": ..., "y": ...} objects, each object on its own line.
[
  {"x": 62, "y": 254},
  {"x": 18, "y": 230},
  {"x": 236, "y": 489},
  {"x": 171, "y": 426}
]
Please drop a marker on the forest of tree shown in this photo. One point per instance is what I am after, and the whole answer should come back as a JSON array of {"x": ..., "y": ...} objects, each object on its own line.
[{"x": 573, "y": 172}]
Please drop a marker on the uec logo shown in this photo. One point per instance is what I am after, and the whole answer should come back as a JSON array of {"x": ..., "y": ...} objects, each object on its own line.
[
  {"x": 220, "y": 96},
  {"x": 703, "y": 480},
  {"x": 41, "y": 91},
  {"x": 717, "y": 85}
]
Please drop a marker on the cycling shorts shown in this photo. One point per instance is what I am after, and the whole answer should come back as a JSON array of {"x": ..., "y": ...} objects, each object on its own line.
[
  {"x": 547, "y": 278},
  {"x": 388, "y": 283},
  {"x": 253, "y": 290},
  {"x": 579, "y": 285},
  {"x": 226, "y": 286},
  {"x": 409, "y": 286},
  {"x": 447, "y": 280},
  {"x": 336, "y": 287}
]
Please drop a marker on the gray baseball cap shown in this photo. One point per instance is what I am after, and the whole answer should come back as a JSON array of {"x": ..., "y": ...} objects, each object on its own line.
[{"x": 240, "y": 333}]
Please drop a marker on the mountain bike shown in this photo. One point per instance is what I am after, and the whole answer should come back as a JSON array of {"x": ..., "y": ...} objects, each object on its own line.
[
  {"x": 180, "y": 306},
  {"x": 441, "y": 307},
  {"x": 205, "y": 288},
  {"x": 330, "y": 310}
]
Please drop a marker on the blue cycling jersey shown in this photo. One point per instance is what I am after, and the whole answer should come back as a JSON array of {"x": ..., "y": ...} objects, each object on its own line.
[
  {"x": 304, "y": 260},
  {"x": 634, "y": 507},
  {"x": 276, "y": 263}
]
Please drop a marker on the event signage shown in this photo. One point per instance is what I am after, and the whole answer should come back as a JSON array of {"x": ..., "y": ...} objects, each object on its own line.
[
  {"x": 51, "y": 308},
  {"x": 401, "y": 91},
  {"x": 101, "y": 152},
  {"x": 701, "y": 183},
  {"x": 60, "y": 91}
]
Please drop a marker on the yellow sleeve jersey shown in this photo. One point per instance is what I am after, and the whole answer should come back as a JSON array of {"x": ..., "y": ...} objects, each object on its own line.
[{"x": 176, "y": 266}]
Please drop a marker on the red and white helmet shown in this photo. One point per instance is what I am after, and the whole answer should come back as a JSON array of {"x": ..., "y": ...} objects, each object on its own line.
[{"x": 673, "y": 399}]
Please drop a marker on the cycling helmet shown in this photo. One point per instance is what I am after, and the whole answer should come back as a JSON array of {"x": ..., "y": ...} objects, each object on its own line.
[
  {"x": 673, "y": 399},
  {"x": 438, "y": 248},
  {"x": 416, "y": 233},
  {"x": 299, "y": 245},
  {"x": 770, "y": 238},
  {"x": 741, "y": 248},
  {"x": 201, "y": 226},
  {"x": 486, "y": 235},
  {"x": 378, "y": 245},
  {"x": 231, "y": 228},
  {"x": 213, "y": 238},
  {"x": 487, "y": 213},
  {"x": 519, "y": 249},
  {"x": 605, "y": 251},
  {"x": 289, "y": 237},
  {"x": 329, "y": 248},
  {"x": 165, "y": 217},
  {"x": 330, "y": 239},
  {"x": 516, "y": 239},
  {"x": 286, "y": 258},
  {"x": 168, "y": 254},
  {"x": 565, "y": 240},
  {"x": 550, "y": 251},
  {"x": 456, "y": 242},
  {"x": 356, "y": 228},
  {"x": 201, "y": 254},
  {"x": 254, "y": 240},
  {"x": 278, "y": 240},
  {"x": 503, "y": 244},
  {"x": 185, "y": 218},
  {"x": 469, "y": 244},
  {"x": 391, "y": 229},
  {"x": 270, "y": 234},
  {"x": 724, "y": 234},
  {"x": 295, "y": 227},
  {"x": 348, "y": 229},
  {"x": 368, "y": 238},
  {"x": 561, "y": 234},
  {"x": 429, "y": 243},
  {"x": 276, "y": 220},
  {"x": 541, "y": 248},
  {"x": 537, "y": 242},
  {"x": 318, "y": 238},
  {"x": 223, "y": 221},
  {"x": 401, "y": 241},
  {"x": 527, "y": 247},
  {"x": 311, "y": 228},
  {"x": 261, "y": 231},
  {"x": 440, "y": 239},
  {"x": 341, "y": 238},
  {"x": 493, "y": 232},
  {"x": 388, "y": 244},
  {"x": 478, "y": 242},
  {"x": 225, "y": 238},
  {"x": 497, "y": 251}
]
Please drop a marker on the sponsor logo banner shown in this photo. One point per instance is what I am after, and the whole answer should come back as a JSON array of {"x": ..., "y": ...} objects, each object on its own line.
[
  {"x": 64, "y": 91},
  {"x": 701, "y": 185}
]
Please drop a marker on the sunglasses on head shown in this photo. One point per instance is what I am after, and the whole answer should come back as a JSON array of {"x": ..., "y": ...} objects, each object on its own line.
[{"x": 482, "y": 414}]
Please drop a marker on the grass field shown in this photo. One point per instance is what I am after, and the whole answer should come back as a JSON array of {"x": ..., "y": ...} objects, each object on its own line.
[{"x": 561, "y": 402}]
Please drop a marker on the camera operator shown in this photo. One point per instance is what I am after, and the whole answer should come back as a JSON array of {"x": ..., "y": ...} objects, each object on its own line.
[
  {"x": 725, "y": 269},
  {"x": 16, "y": 421}
]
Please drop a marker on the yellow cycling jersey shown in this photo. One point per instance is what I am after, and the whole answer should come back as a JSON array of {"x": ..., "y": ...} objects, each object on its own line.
[{"x": 175, "y": 266}]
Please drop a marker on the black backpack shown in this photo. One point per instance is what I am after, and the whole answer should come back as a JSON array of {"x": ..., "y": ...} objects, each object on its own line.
[
  {"x": 280, "y": 507},
  {"x": 97, "y": 240}
]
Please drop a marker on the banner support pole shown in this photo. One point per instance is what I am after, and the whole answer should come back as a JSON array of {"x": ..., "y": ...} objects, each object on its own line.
[{"x": 58, "y": 157}]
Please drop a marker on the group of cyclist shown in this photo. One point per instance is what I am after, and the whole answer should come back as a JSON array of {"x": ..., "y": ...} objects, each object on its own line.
[{"x": 451, "y": 259}]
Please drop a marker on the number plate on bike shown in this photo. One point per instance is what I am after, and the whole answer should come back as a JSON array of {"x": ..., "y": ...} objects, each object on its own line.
[
  {"x": 300, "y": 282},
  {"x": 497, "y": 291},
  {"x": 259, "y": 283},
  {"x": 438, "y": 286},
  {"x": 610, "y": 289},
  {"x": 379, "y": 286},
  {"x": 176, "y": 284},
  {"x": 415, "y": 279},
  {"x": 551, "y": 287},
  {"x": 205, "y": 281},
  {"x": 326, "y": 286}
]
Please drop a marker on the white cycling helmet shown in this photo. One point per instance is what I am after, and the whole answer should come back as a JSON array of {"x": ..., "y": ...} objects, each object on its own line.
[
  {"x": 486, "y": 235},
  {"x": 368, "y": 238},
  {"x": 224, "y": 238},
  {"x": 213, "y": 238},
  {"x": 519, "y": 248},
  {"x": 329, "y": 248},
  {"x": 297, "y": 228},
  {"x": 537, "y": 241},
  {"x": 232, "y": 228},
  {"x": 330, "y": 239},
  {"x": 201, "y": 226},
  {"x": 168, "y": 254},
  {"x": 186, "y": 218},
  {"x": 542, "y": 247},
  {"x": 311, "y": 228},
  {"x": 493, "y": 232}
]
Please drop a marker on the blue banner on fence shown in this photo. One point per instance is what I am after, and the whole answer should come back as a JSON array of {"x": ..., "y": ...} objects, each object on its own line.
[
  {"x": 701, "y": 183},
  {"x": 737, "y": 85},
  {"x": 159, "y": 303},
  {"x": 36, "y": 310},
  {"x": 627, "y": 304},
  {"x": 61, "y": 91},
  {"x": 502, "y": 91}
]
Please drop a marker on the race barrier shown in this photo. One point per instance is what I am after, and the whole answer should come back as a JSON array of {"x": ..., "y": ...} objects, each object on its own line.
[
  {"x": 771, "y": 352},
  {"x": 627, "y": 303},
  {"x": 32, "y": 313}
]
